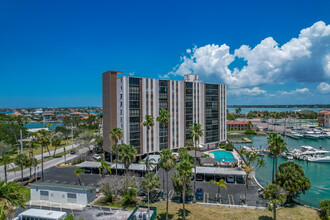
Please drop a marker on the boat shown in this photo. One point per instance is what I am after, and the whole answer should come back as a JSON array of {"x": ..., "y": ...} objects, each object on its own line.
[
  {"x": 246, "y": 148},
  {"x": 311, "y": 135},
  {"x": 305, "y": 152},
  {"x": 296, "y": 134},
  {"x": 319, "y": 158}
]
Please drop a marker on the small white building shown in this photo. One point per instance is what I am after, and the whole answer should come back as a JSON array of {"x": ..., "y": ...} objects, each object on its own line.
[
  {"x": 62, "y": 193},
  {"x": 41, "y": 214}
]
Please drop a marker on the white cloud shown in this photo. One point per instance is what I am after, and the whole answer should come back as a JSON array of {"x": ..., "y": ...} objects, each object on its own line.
[
  {"x": 324, "y": 87},
  {"x": 245, "y": 91},
  {"x": 302, "y": 59},
  {"x": 132, "y": 74},
  {"x": 295, "y": 92}
]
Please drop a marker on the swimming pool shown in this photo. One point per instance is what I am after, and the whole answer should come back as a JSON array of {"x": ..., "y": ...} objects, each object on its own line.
[{"x": 223, "y": 156}]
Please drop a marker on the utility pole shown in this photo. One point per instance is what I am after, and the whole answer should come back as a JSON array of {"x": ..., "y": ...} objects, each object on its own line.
[
  {"x": 72, "y": 135},
  {"x": 21, "y": 141}
]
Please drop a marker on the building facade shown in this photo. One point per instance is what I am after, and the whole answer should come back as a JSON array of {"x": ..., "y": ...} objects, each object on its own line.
[
  {"x": 322, "y": 117},
  {"x": 237, "y": 126},
  {"x": 126, "y": 101}
]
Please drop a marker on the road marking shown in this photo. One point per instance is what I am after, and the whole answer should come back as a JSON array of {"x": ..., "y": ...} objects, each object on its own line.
[
  {"x": 218, "y": 198},
  {"x": 170, "y": 194},
  {"x": 206, "y": 198},
  {"x": 231, "y": 199}
]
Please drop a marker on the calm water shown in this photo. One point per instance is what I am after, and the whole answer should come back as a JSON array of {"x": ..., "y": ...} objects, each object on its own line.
[
  {"x": 247, "y": 110},
  {"x": 318, "y": 173},
  {"x": 42, "y": 125}
]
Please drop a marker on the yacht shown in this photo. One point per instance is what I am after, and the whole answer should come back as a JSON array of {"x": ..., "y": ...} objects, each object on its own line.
[
  {"x": 307, "y": 151},
  {"x": 311, "y": 135},
  {"x": 297, "y": 134},
  {"x": 319, "y": 158}
]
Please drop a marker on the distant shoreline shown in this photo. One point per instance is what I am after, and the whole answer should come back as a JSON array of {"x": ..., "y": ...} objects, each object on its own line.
[{"x": 279, "y": 106}]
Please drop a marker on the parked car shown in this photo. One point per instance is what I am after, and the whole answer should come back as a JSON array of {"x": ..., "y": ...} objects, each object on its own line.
[
  {"x": 240, "y": 180},
  {"x": 199, "y": 177},
  {"x": 72, "y": 151},
  {"x": 230, "y": 179},
  {"x": 97, "y": 156},
  {"x": 199, "y": 194}
]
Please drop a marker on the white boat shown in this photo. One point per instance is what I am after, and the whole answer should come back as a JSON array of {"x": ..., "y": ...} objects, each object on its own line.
[
  {"x": 297, "y": 134},
  {"x": 311, "y": 135},
  {"x": 247, "y": 148},
  {"x": 319, "y": 159},
  {"x": 305, "y": 152}
]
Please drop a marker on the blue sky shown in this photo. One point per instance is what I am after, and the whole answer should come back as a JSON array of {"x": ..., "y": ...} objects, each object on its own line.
[{"x": 53, "y": 53}]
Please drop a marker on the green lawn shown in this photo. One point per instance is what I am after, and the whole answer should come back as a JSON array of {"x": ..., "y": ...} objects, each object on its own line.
[
  {"x": 26, "y": 192},
  {"x": 205, "y": 212}
]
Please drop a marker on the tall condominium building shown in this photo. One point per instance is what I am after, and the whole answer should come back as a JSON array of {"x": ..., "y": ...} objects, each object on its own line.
[{"x": 126, "y": 101}]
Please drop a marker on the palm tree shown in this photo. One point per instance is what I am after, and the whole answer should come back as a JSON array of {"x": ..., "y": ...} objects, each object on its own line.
[
  {"x": 277, "y": 146},
  {"x": 77, "y": 172},
  {"x": 21, "y": 160},
  {"x": 6, "y": 161},
  {"x": 220, "y": 183},
  {"x": 163, "y": 118},
  {"x": 189, "y": 144},
  {"x": 196, "y": 132},
  {"x": 184, "y": 169},
  {"x": 10, "y": 197},
  {"x": 43, "y": 140},
  {"x": 150, "y": 183},
  {"x": 251, "y": 162},
  {"x": 150, "y": 162},
  {"x": 104, "y": 166},
  {"x": 127, "y": 154},
  {"x": 148, "y": 123},
  {"x": 115, "y": 135},
  {"x": 167, "y": 162},
  {"x": 56, "y": 142},
  {"x": 250, "y": 125},
  {"x": 275, "y": 196}
]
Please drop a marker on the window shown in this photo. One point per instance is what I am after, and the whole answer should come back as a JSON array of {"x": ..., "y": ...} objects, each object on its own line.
[
  {"x": 44, "y": 195},
  {"x": 72, "y": 197}
]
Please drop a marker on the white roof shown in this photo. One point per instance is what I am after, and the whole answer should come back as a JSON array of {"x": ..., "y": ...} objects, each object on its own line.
[
  {"x": 47, "y": 214},
  {"x": 220, "y": 171},
  {"x": 133, "y": 166}
]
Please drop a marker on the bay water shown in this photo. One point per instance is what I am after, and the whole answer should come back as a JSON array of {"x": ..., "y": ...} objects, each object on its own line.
[{"x": 318, "y": 173}]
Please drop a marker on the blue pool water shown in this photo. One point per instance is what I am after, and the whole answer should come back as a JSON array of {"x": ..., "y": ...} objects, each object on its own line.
[{"x": 223, "y": 156}]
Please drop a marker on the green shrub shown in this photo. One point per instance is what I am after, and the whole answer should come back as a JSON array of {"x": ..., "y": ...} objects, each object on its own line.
[
  {"x": 324, "y": 209},
  {"x": 250, "y": 131},
  {"x": 229, "y": 147}
]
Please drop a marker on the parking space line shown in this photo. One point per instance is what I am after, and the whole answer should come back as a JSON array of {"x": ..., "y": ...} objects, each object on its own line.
[
  {"x": 232, "y": 198},
  {"x": 170, "y": 194},
  {"x": 229, "y": 200},
  {"x": 218, "y": 198}
]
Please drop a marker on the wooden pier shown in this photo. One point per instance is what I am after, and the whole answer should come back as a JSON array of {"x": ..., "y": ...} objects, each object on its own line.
[{"x": 243, "y": 140}]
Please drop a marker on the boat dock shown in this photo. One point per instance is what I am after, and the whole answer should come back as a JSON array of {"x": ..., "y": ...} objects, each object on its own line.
[{"x": 243, "y": 140}]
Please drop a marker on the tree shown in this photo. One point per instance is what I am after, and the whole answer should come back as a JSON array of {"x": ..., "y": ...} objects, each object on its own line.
[
  {"x": 6, "y": 161},
  {"x": 251, "y": 162},
  {"x": 104, "y": 166},
  {"x": 65, "y": 131},
  {"x": 220, "y": 183},
  {"x": 250, "y": 125},
  {"x": 276, "y": 146},
  {"x": 291, "y": 177},
  {"x": 324, "y": 209},
  {"x": 85, "y": 139},
  {"x": 167, "y": 162},
  {"x": 184, "y": 170},
  {"x": 189, "y": 144},
  {"x": 163, "y": 118},
  {"x": 150, "y": 183},
  {"x": 10, "y": 197},
  {"x": 127, "y": 154},
  {"x": 196, "y": 132},
  {"x": 106, "y": 189},
  {"x": 43, "y": 140},
  {"x": 77, "y": 172},
  {"x": 274, "y": 195},
  {"x": 238, "y": 111},
  {"x": 150, "y": 163},
  {"x": 56, "y": 142},
  {"x": 115, "y": 135},
  {"x": 148, "y": 123},
  {"x": 129, "y": 191},
  {"x": 21, "y": 160}
]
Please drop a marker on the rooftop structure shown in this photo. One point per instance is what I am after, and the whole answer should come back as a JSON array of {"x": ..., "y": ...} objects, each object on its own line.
[{"x": 41, "y": 215}]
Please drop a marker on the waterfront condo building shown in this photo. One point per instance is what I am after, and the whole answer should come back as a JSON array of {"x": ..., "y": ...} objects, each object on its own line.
[{"x": 126, "y": 101}]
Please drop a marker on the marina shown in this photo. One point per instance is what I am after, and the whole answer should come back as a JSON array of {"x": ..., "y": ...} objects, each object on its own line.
[{"x": 314, "y": 170}]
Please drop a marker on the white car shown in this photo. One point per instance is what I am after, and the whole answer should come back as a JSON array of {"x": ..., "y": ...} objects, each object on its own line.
[{"x": 97, "y": 156}]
